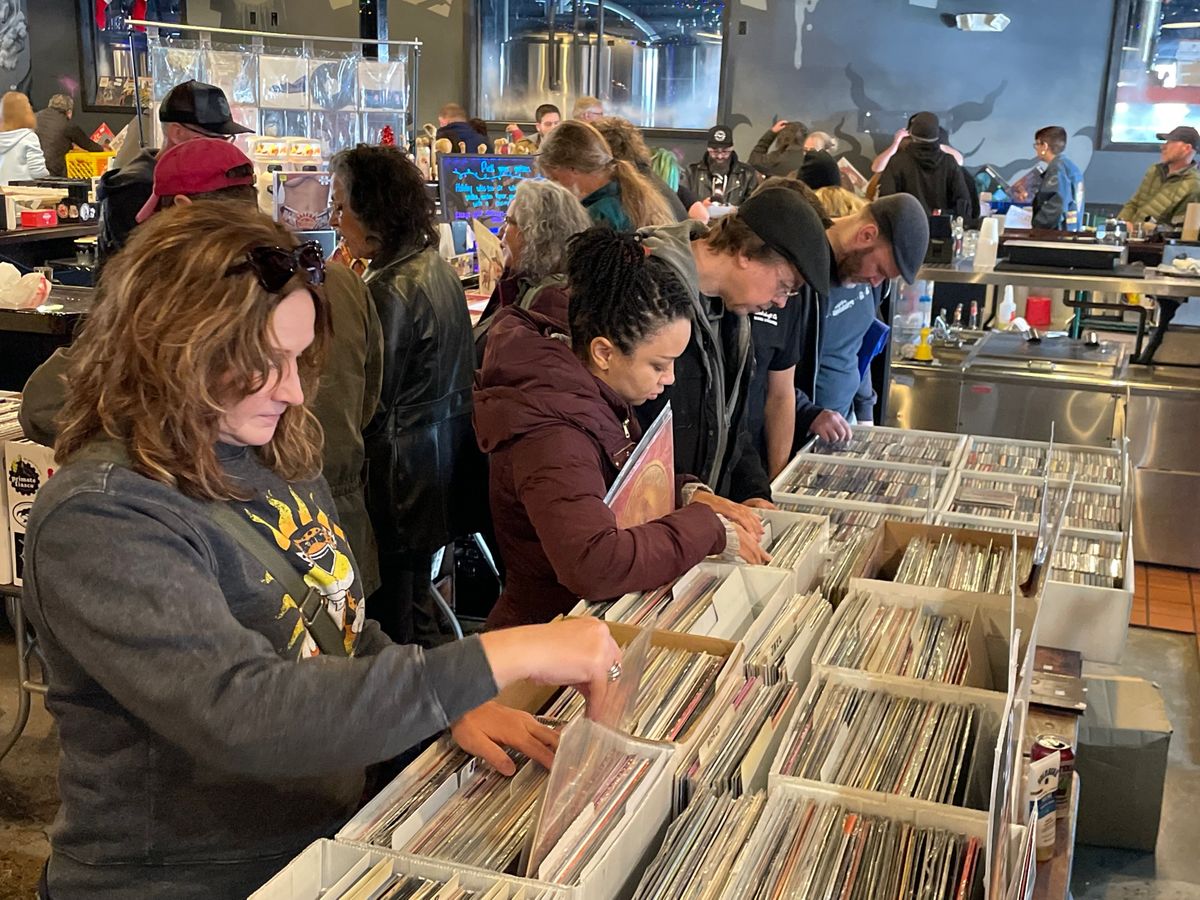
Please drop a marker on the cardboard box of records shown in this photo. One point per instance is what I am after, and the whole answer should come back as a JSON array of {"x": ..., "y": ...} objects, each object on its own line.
[
  {"x": 797, "y": 542},
  {"x": 1088, "y": 594},
  {"x": 852, "y": 483},
  {"x": 942, "y": 619},
  {"x": 449, "y": 810},
  {"x": 719, "y": 600},
  {"x": 328, "y": 870},
  {"x": 885, "y": 841}
]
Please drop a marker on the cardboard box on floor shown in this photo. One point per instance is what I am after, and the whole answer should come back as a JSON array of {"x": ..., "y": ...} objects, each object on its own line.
[{"x": 1124, "y": 738}]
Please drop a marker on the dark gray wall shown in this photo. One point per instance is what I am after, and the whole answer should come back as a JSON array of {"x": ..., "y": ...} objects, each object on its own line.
[{"x": 859, "y": 68}]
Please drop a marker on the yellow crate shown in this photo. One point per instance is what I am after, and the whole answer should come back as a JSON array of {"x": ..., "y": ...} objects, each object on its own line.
[{"x": 81, "y": 164}]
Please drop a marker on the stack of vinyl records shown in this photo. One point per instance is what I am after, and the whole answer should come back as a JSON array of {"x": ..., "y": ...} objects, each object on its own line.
[
  {"x": 776, "y": 647},
  {"x": 843, "y": 523},
  {"x": 382, "y": 882},
  {"x": 873, "y": 636},
  {"x": 807, "y": 848},
  {"x": 10, "y": 405},
  {"x": 432, "y": 769},
  {"x": 738, "y": 751},
  {"x": 675, "y": 692},
  {"x": 701, "y": 847},
  {"x": 877, "y": 741},
  {"x": 677, "y": 609},
  {"x": 789, "y": 548}
]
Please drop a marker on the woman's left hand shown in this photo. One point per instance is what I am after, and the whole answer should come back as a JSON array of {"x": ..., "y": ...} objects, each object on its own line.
[
  {"x": 759, "y": 503},
  {"x": 486, "y": 730}
]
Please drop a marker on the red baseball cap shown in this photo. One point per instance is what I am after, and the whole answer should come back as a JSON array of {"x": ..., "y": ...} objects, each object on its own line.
[{"x": 197, "y": 167}]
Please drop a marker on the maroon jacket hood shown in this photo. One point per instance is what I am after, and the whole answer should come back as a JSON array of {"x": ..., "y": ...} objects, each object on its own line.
[{"x": 531, "y": 379}]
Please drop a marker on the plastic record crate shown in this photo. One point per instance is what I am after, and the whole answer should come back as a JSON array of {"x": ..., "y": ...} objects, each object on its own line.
[{"x": 82, "y": 164}]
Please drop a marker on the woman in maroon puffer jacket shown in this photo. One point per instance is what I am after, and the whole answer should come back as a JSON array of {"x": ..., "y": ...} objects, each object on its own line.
[{"x": 554, "y": 414}]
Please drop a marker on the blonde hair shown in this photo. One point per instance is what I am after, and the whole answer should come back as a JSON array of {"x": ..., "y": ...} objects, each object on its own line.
[
  {"x": 584, "y": 103},
  {"x": 16, "y": 112},
  {"x": 840, "y": 202},
  {"x": 577, "y": 145},
  {"x": 172, "y": 339}
]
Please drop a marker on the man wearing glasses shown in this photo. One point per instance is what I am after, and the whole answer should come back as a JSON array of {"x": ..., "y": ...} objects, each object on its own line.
[
  {"x": 751, "y": 260},
  {"x": 191, "y": 110}
]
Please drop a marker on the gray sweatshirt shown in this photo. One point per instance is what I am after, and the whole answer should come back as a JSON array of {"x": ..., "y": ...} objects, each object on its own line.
[{"x": 203, "y": 742}]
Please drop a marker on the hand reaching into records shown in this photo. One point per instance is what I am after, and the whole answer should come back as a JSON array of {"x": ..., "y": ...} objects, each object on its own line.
[
  {"x": 488, "y": 729},
  {"x": 578, "y": 652},
  {"x": 759, "y": 503},
  {"x": 749, "y": 547},
  {"x": 831, "y": 427},
  {"x": 738, "y": 513}
]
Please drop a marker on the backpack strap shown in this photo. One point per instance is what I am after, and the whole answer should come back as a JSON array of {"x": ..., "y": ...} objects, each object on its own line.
[
  {"x": 527, "y": 299},
  {"x": 313, "y": 607}
]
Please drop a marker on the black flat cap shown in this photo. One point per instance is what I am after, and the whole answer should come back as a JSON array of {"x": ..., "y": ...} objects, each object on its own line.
[
  {"x": 904, "y": 224},
  {"x": 785, "y": 222},
  {"x": 1185, "y": 133}
]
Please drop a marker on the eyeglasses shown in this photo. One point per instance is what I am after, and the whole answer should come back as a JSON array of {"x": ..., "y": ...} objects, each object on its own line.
[
  {"x": 274, "y": 267},
  {"x": 786, "y": 289}
]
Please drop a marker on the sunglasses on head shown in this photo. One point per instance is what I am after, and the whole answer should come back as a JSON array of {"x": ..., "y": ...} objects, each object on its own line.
[{"x": 274, "y": 267}]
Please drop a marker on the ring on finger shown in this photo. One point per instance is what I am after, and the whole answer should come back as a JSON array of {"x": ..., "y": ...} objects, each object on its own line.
[{"x": 614, "y": 672}]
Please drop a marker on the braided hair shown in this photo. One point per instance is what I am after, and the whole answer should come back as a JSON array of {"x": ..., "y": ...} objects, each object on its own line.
[{"x": 618, "y": 292}]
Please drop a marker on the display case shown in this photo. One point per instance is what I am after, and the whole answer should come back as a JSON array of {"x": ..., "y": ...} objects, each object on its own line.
[
  {"x": 658, "y": 65},
  {"x": 325, "y": 89},
  {"x": 107, "y": 47}
]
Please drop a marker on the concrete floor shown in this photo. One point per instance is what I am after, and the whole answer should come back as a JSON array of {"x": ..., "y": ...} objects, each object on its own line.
[
  {"x": 1173, "y": 872},
  {"x": 28, "y": 798}
]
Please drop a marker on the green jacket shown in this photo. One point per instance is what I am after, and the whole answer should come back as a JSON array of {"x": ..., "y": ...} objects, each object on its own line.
[
  {"x": 604, "y": 206},
  {"x": 1162, "y": 196}
]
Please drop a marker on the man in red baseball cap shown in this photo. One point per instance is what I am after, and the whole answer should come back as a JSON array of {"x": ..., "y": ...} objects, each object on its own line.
[{"x": 199, "y": 170}]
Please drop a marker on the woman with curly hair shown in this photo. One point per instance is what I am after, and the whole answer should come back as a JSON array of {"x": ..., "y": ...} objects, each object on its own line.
[
  {"x": 542, "y": 217},
  {"x": 555, "y": 414},
  {"x": 611, "y": 189},
  {"x": 424, "y": 474},
  {"x": 218, "y": 688}
]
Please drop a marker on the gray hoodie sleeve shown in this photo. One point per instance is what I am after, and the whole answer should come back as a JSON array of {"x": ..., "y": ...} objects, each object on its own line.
[{"x": 126, "y": 587}]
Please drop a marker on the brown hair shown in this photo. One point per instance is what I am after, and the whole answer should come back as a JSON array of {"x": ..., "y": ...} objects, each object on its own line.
[
  {"x": 624, "y": 139},
  {"x": 732, "y": 236},
  {"x": 16, "y": 112},
  {"x": 577, "y": 145},
  {"x": 453, "y": 112},
  {"x": 172, "y": 338},
  {"x": 1054, "y": 137},
  {"x": 584, "y": 103},
  {"x": 791, "y": 134}
]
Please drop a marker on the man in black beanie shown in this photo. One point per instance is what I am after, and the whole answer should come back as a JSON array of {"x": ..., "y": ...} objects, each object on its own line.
[{"x": 927, "y": 172}]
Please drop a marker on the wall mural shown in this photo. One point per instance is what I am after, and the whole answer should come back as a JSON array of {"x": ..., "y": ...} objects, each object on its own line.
[
  {"x": 847, "y": 68},
  {"x": 14, "y": 46}
]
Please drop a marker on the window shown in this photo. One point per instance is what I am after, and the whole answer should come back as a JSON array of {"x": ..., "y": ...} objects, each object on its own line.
[
  {"x": 656, "y": 63},
  {"x": 1154, "y": 72}
]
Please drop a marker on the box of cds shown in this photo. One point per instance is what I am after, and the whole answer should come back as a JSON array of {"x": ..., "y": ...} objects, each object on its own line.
[
  {"x": 984, "y": 498},
  {"x": 713, "y": 599},
  {"x": 1088, "y": 594},
  {"x": 328, "y": 870},
  {"x": 583, "y": 829},
  {"x": 1089, "y": 465},
  {"x": 796, "y": 541},
  {"x": 865, "y": 484},
  {"x": 818, "y": 841},
  {"x": 920, "y": 740},
  {"x": 897, "y": 445}
]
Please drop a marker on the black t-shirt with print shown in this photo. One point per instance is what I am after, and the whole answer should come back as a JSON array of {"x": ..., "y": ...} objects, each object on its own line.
[{"x": 775, "y": 333}]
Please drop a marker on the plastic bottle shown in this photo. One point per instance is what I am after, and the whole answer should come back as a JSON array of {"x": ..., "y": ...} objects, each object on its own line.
[
  {"x": 925, "y": 306},
  {"x": 1008, "y": 309},
  {"x": 989, "y": 241}
]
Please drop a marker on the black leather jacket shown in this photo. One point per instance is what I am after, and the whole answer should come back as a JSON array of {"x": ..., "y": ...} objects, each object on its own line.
[
  {"x": 425, "y": 477},
  {"x": 738, "y": 185}
]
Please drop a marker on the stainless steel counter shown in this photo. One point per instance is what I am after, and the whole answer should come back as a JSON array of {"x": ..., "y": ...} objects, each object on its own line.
[{"x": 962, "y": 273}]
